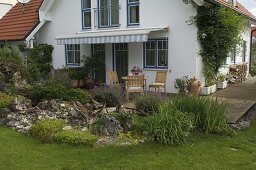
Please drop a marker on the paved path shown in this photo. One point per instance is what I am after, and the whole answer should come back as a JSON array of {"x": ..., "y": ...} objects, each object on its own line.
[{"x": 241, "y": 97}]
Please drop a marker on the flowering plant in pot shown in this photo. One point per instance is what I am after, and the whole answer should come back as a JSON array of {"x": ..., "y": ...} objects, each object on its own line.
[{"x": 136, "y": 70}]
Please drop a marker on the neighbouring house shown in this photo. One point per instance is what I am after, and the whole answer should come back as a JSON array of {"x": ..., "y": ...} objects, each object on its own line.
[
  {"x": 4, "y": 8},
  {"x": 153, "y": 35}
]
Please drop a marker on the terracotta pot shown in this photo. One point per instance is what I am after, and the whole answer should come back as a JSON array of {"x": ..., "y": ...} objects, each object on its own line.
[
  {"x": 74, "y": 83},
  {"x": 81, "y": 83},
  {"x": 195, "y": 87},
  {"x": 89, "y": 83}
]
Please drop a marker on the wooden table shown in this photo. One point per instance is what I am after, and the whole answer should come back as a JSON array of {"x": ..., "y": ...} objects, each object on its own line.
[{"x": 145, "y": 79}]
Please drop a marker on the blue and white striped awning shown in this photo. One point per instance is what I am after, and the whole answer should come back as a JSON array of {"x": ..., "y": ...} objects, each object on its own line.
[{"x": 113, "y": 36}]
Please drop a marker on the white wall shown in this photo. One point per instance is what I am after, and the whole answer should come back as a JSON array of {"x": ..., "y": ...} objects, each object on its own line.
[
  {"x": 183, "y": 44},
  {"x": 4, "y": 8}
]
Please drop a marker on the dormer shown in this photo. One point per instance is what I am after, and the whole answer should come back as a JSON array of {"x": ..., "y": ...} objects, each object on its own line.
[{"x": 233, "y": 2}]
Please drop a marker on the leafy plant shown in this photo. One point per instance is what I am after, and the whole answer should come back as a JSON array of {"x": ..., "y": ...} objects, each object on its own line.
[
  {"x": 168, "y": 126},
  {"x": 5, "y": 100},
  {"x": 39, "y": 62},
  {"x": 75, "y": 137},
  {"x": 219, "y": 30},
  {"x": 148, "y": 103},
  {"x": 253, "y": 69},
  {"x": 111, "y": 96},
  {"x": 210, "y": 115},
  {"x": 46, "y": 130},
  {"x": 55, "y": 90},
  {"x": 181, "y": 84}
]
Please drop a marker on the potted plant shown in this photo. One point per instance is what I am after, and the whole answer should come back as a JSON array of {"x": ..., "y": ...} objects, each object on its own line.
[
  {"x": 180, "y": 85},
  {"x": 209, "y": 88},
  {"x": 222, "y": 82},
  {"x": 90, "y": 65},
  {"x": 77, "y": 77},
  {"x": 136, "y": 70}
]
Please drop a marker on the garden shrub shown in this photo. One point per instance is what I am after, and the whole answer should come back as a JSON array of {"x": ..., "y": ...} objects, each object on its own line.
[
  {"x": 148, "y": 103},
  {"x": 45, "y": 130},
  {"x": 5, "y": 100},
  {"x": 111, "y": 96},
  {"x": 54, "y": 90},
  {"x": 168, "y": 126},
  {"x": 39, "y": 62},
  {"x": 210, "y": 114},
  {"x": 253, "y": 69},
  {"x": 75, "y": 137}
]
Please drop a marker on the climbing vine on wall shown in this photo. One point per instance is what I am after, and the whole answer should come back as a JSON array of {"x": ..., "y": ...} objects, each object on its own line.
[{"x": 219, "y": 30}]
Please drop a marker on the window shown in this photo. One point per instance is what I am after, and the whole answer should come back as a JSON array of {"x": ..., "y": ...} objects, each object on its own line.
[
  {"x": 244, "y": 51},
  {"x": 133, "y": 8},
  {"x": 86, "y": 14},
  {"x": 156, "y": 53},
  {"x": 108, "y": 13},
  {"x": 72, "y": 54},
  {"x": 233, "y": 55}
]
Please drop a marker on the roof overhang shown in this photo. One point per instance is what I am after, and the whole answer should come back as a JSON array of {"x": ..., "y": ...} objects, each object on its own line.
[{"x": 109, "y": 36}]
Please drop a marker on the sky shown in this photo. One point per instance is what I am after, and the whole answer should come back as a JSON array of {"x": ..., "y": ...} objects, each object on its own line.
[{"x": 249, "y": 4}]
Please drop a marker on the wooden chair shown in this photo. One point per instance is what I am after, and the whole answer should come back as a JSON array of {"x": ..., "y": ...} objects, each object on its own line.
[
  {"x": 134, "y": 84},
  {"x": 113, "y": 79},
  {"x": 160, "y": 81}
]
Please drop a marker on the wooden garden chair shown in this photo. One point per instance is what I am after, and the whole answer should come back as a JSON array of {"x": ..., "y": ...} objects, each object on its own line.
[
  {"x": 160, "y": 81},
  {"x": 113, "y": 79},
  {"x": 134, "y": 84}
]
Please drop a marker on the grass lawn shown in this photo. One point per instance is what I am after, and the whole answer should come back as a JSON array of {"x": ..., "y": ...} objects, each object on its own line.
[{"x": 18, "y": 151}]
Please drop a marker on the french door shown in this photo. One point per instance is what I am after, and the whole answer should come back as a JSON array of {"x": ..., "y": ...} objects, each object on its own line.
[
  {"x": 98, "y": 51},
  {"x": 121, "y": 59}
]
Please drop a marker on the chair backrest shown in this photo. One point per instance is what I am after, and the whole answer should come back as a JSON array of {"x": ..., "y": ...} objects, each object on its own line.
[
  {"x": 135, "y": 81},
  {"x": 113, "y": 78},
  {"x": 161, "y": 76}
]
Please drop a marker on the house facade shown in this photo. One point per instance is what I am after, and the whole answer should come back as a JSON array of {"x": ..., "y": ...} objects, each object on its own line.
[
  {"x": 124, "y": 34},
  {"x": 4, "y": 8},
  {"x": 152, "y": 35}
]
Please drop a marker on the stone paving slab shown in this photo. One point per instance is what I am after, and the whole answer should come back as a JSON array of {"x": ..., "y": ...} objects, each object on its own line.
[{"x": 237, "y": 108}]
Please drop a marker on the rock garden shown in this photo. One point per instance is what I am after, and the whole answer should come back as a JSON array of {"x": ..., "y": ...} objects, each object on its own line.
[{"x": 42, "y": 103}]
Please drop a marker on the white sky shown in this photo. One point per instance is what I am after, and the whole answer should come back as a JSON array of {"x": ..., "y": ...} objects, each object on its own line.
[{"x": 249, "y": 4}]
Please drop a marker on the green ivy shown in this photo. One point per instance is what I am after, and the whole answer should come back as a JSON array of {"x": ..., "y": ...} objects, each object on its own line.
[{"x": 219, "y": 30}]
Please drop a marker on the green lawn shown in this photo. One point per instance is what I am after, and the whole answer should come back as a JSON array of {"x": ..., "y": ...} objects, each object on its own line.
[{"x": 18, "y": 151}]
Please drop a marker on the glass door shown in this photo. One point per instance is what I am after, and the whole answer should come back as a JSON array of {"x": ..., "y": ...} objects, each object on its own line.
[
  {"x": 121, "y": 59},
  {"x": 98, "y": 51}
]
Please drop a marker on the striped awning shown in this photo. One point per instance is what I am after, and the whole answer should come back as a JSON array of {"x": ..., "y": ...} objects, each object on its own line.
[{"x": 113, "y": 36}]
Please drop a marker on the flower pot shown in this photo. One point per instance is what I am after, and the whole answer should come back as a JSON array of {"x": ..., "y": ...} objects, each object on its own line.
[
  {"x": 89, "y": 83},
  {"x": 222, "y": 85},
  {"x": 213, "y": 88},
  {"x": 81, "y": 83},
  {"x": 208, "y": 90},
  {"x": 74, "y": 83},
  {"x": 205, "y": 91}
]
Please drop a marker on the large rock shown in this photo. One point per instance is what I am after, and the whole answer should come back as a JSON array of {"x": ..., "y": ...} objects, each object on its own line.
[{"x": 109, "y": 126}]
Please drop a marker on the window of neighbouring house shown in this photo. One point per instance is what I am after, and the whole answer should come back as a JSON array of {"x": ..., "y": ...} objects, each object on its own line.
[
  {"x": 156, "y": 53},
  {"x": 86, "y": 14},
  {"x": 72, "y": 54},
  {"x": 244, "y": 51},
  {"x": 233, "y": 55},
  {"x": 133, "y": 7}
]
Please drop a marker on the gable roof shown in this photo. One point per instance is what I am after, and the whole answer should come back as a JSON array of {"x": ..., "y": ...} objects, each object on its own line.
[
  {"x": 18, "y": 23},
  {"x": 238, "y": 8}
]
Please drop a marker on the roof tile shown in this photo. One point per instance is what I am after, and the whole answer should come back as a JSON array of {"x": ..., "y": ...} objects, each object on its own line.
[{"x": 20, "y": 21}]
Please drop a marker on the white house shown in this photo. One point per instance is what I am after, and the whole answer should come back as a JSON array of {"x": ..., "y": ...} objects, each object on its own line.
[
  {"x": 153, "y": 35},
  {"x": 4, "y": 8}
]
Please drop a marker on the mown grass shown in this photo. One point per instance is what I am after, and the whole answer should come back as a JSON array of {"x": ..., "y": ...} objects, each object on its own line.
[{"x": 18, "y": 151}]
